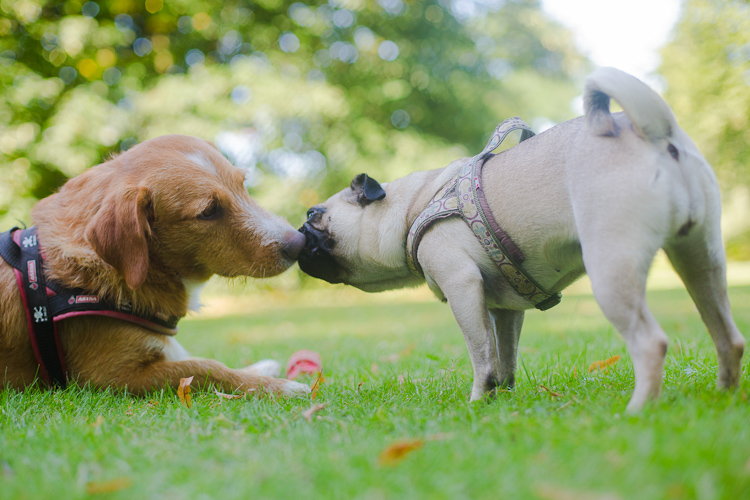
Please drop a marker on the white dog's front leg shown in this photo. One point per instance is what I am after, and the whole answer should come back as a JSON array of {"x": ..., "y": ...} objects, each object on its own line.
[
  {"x": 460, "y": 281},
  {"x": 507, "y": 332}
]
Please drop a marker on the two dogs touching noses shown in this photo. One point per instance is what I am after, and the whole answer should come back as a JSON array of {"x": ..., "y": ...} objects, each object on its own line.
[{"x": 599, "y": 194}]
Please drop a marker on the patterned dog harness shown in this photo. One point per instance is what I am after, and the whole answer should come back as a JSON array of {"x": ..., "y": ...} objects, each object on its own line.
[
  {"x": 47, "y": 302},
  {"x": 463, "y": 196}
]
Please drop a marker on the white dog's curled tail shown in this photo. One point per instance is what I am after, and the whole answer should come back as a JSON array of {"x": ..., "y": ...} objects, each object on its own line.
[{"x": 650, "y": 115}]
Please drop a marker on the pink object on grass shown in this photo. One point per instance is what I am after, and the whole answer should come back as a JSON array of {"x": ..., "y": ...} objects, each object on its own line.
[{"x": 303, "y": 362}]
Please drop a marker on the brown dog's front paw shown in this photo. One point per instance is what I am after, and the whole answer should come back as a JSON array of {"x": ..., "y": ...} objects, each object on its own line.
[
  {"x": 265, "y": 368},
  {"x": 291, "y": 388}
]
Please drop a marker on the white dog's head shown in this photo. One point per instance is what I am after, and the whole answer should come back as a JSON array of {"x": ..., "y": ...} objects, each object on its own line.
[{"x": 356, "y": 237}]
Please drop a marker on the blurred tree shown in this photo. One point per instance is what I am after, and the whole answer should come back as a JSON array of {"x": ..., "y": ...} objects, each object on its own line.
[
  {"x": 307, "y": 93},
  {"x": 707, "y": 66}
]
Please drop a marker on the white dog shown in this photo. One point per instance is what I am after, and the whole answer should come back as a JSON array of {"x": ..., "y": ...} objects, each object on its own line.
[{"x": 599, "y": 194}]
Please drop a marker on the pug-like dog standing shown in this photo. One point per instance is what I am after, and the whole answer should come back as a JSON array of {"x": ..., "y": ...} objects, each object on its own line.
[{"x": 497, "y": 234}]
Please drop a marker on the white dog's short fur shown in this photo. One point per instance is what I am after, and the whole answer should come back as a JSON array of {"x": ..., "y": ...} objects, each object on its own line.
[{"x": 599, "y": 194}]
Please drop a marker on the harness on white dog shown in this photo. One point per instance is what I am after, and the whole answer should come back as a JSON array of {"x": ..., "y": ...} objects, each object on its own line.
[
  {"x": 463, "y": 196},
  {"x": 47, "y": 302}
]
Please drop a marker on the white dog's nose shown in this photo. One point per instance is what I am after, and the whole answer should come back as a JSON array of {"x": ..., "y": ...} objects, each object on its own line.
[{"x": 294, "y": 241}]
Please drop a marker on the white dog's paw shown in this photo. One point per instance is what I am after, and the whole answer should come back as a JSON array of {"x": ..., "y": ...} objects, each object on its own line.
[
  {"x": 291, "y": 388},
  {"x": 265, "y": 368}
]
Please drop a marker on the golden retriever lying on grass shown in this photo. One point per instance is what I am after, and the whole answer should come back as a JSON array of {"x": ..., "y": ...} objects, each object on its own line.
[{"x": 140, "y": 232}]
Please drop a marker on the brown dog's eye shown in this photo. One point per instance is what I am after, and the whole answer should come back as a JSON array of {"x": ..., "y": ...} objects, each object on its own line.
[{"x": 211, "y": 212}]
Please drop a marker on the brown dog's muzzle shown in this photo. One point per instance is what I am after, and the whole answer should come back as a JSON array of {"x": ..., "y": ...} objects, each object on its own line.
[{"x": 315, "y": 258}]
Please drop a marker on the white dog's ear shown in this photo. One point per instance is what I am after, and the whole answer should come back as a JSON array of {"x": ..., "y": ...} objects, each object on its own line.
[{"x": 366, "y": 190}]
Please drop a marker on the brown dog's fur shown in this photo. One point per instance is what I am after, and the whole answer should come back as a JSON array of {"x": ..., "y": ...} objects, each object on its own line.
[{"x": 145, "y": 227}]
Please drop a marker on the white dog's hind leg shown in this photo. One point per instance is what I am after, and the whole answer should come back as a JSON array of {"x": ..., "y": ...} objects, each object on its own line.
[
  {"x": 699, "y": 260},
  {"x": 618, "y": 269},
  {"x": 507, "y": 332}
]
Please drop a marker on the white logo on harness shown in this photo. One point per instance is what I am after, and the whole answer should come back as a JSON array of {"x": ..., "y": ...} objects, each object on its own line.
[
  {"x": 29, "y": 241},
  {"x": 40, "y": 314},
  {"x": 83, "y": 299}
]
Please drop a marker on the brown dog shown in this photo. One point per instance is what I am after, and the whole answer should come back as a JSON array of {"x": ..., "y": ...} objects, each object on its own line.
[{"x": 146, "y": 229}]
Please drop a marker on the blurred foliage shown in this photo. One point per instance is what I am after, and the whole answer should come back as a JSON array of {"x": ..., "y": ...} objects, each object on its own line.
[
  {"x": 303, "y": 96},
  {"x": 707, "y": 66}
]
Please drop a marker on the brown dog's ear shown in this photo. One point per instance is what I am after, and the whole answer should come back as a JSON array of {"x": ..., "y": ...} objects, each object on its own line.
[
  {"x": 119, "y": 234},
  {"x": 366, "y": 189}
]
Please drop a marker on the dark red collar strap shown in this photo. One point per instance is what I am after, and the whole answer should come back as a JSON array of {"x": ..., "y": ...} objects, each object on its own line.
[{"x": 47, "y": 303}]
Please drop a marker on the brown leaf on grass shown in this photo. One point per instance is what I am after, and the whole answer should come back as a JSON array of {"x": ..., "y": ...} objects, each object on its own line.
[
  {"x": 398, "y": 450},
  {"x": 392, "y": 358},
  {"x": 224, "y": 395},
  {"x": 408, "y": 349},
  {"x": 603, "y": 365},
  {"x": 183, "y": 391},
  {"x": 98, "y": 423},
  {"x": 308, "y": 414},
  {"x": 316, "y": 385},
  {"x": 550, "y": 391},
  {"x": 96, "y": 487}
]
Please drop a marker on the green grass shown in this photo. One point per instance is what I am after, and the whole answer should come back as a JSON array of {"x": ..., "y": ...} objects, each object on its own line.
[{"x": 400, "y": 371}]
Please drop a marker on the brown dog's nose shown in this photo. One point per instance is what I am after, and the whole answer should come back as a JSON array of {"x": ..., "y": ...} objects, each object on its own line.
[{"x": 294, "y": 241}]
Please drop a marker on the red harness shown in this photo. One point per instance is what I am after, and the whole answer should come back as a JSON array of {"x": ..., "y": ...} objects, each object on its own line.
[{"x": 47, "y": 302}]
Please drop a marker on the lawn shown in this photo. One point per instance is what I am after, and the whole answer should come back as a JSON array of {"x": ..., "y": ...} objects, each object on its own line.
[{"x": 397, "y": 373}]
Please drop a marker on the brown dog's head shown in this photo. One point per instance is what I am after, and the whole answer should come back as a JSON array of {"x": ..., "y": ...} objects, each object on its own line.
[
  {"x": 177, "y": 205},
  {"x": 357, "y": 237}
]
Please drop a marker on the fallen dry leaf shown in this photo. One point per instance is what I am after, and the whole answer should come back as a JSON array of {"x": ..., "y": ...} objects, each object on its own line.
[
  {"x": 398, "y": 450},
  {"x": 98, "y": 423},
  {"x": 392, "y": 358},
  {"x": 308, "y": 414},
  {"x": 564, "y": 406},
  {"x": 314, "y": 389},
  {"x": 183, "y": 391},
  {"x": 95, "y": 487},
  {"x": 228, "y": 396},
  {"x": 408, "y": 349},
  {"x": 550, "y": 391},
  {"x": 603, "y": 365}
]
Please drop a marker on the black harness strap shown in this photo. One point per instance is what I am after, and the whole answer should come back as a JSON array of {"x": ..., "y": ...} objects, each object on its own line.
[
  {"x": 9, "y": 250},
  {"x": 49, "y": 302},
  {"x": 43, "y": 335}
]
